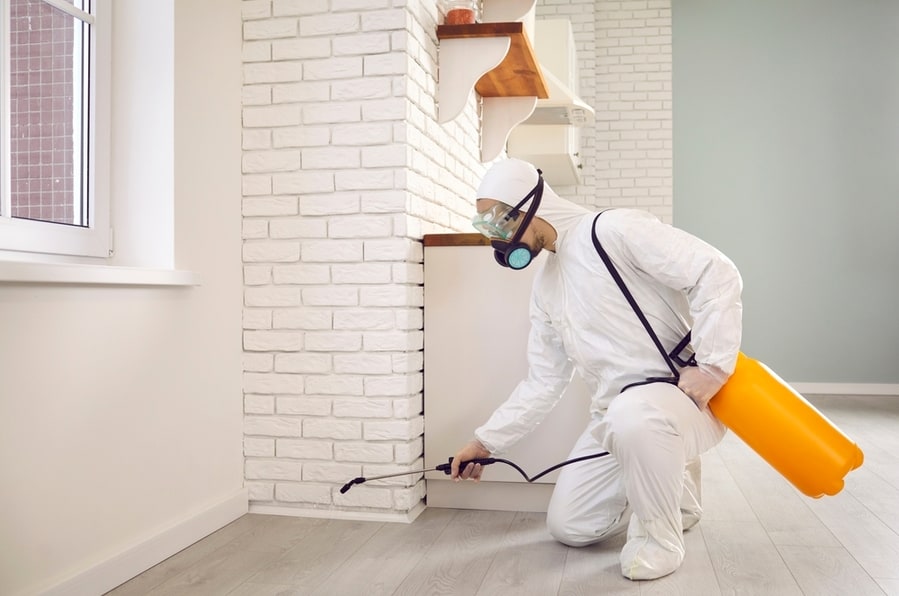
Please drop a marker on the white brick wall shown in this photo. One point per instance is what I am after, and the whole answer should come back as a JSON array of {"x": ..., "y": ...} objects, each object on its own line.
[
  {"x": 634, "y": 138},
  {"x": 624, "y": 53},
  {"x": 344, "y": 169}
]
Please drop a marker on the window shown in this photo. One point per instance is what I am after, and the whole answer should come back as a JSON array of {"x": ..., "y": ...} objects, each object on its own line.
[{"x": 53, "y": 111}]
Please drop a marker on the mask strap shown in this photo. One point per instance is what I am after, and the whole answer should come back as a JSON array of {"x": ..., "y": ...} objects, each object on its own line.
[{"x": 537, "y": 194}]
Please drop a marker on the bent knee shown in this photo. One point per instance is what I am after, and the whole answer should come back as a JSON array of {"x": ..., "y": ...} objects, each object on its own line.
[
  {"x": 583, "y": 531},
  {"x": 568, "y": 535}
]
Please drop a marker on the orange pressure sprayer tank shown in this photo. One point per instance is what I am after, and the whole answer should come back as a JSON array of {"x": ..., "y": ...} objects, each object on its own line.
[{"x": 785, "y": 429}]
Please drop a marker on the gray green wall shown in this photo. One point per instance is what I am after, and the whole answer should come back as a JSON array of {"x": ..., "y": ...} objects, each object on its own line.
[{"x": 786, "y": 157}]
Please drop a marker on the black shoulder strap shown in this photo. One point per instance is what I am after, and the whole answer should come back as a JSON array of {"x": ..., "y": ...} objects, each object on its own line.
[{"x": 630, "y": 299}]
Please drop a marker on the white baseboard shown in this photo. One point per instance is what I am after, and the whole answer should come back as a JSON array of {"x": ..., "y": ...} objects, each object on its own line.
[
  {"x": 403, "y": 517},
  {"x": 146, "y": 553},
  {"x": 489, "y": 495},
  {"x": 886, "y": 389}
]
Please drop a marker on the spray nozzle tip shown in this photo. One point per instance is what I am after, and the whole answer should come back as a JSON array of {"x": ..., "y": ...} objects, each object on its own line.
[{"x": 350, "y": 484}]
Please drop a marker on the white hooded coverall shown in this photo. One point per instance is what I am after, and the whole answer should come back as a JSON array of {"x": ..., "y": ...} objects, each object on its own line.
[{"x": 580, "y": 320}]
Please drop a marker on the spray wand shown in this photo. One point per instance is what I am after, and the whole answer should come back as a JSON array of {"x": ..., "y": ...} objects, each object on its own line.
[{"x": 447, "y": 469}]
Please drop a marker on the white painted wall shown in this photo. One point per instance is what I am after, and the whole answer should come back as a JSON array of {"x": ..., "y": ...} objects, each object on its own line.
[
  {"x": 120, "y": 407},
  {"x": 787, "y": 144}
]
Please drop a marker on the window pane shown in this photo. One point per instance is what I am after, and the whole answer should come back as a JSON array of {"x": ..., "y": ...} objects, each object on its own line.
[
  {"x": 77, "y": 3},
  {"x": 47, "y": 50}
]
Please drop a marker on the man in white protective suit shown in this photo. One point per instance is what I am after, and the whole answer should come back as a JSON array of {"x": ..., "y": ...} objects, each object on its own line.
[{"x": 580, "y": 320}]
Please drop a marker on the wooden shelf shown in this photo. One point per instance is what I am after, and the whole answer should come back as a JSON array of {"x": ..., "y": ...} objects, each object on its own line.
[
  {"x": 518, "y": 75},
  {"x": 455, "y": 239},
  {"x": 496, "y": 60}
]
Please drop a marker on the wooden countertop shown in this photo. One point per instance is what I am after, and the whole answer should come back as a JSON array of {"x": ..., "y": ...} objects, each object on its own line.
[{"x": 472, "y": 239}]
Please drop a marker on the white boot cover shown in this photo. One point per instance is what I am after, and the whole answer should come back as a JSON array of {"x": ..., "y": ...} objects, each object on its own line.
[
  {"x": 691, "y": 501},
  {"x": 652, "y": 550}
]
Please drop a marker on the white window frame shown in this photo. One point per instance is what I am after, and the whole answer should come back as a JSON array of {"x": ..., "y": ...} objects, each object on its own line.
[{"x": 22, "y": 239}]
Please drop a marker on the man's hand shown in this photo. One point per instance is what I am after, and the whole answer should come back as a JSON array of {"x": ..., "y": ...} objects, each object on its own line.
[
  {"x": 701, "y": 383},
  {"x": 472, "y": 450}
]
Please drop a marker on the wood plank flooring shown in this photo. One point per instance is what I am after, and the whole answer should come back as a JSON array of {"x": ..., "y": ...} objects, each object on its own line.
[{"x": 758, "y": 536}]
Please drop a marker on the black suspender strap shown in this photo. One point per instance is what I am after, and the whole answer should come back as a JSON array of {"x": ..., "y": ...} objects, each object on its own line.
[{"x": 636, "y": 307}]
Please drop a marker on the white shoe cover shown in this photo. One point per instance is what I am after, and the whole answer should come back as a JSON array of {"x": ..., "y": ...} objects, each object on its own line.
[
  {"x": 652, "y": 550},
  {"x": 691, "y": 500}
]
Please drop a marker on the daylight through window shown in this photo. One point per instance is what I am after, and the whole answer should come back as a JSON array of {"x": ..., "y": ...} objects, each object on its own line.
[
  {"x": 49, "y": 57},
  {"x": 48, "y": 118}
]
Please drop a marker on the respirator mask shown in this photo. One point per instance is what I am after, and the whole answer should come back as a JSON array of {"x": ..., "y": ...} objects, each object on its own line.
[{"x": 505, "y": 226}]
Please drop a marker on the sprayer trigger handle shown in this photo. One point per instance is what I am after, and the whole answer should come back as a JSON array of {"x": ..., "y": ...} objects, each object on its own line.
[{"x": 447, "y": 468}]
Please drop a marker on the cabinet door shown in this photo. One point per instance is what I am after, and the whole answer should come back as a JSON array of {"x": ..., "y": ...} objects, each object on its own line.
[{"x": 476, "y": 327}]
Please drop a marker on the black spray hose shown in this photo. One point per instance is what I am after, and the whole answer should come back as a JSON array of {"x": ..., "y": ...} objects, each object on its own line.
[{"x": 447, "y": 469}]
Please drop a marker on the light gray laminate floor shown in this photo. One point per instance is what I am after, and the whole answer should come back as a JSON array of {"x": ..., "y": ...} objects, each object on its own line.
[{"x": 758, "y": 536}]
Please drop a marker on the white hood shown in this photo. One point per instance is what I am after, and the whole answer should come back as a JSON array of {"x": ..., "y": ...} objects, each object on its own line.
[{"x": 510, "y": 180}]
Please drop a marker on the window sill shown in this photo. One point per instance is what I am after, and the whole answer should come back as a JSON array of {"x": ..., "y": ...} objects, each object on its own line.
[{"x": 43, "y": 273}]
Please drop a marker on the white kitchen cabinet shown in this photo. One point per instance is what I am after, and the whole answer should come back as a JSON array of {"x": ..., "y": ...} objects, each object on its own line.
[
  {"x": 548, "y": 139},
  {"x": 476, "y": 327}
]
